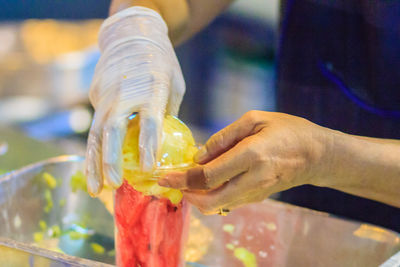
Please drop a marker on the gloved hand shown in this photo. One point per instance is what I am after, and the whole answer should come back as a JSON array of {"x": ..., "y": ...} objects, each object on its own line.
[
  {"x": 260, "y": 154},
  {"x": 137, "y": 72}
]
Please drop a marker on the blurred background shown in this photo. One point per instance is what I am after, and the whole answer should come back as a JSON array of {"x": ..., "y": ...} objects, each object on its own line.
[{"x": 48, "y": 53}]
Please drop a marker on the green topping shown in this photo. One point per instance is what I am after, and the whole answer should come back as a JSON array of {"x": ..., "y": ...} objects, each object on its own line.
[
  {"x": 229, "y": 228},
  {"x": 42, "y": 225},
  {"x": 76, "y": 235},
  {"x": 246, "y": 257},
  {"x": 111, "y": 253},
  {"x": 49, "y": 180},
  {"x": 37, "y": 237},
  {"x": 78, "y": 181},
  {"x": 56, "y": 231},
  {"x": 49, "y": 201},
  {"x": 97, "y": 248}
]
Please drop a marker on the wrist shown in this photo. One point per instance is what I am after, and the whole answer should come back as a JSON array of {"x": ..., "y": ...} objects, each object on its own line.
[
  {"x": 119, "y": 5},
  {"x": 133, "y": 24},
  {"x": 342, "y": 163},
  {"x": 363, "y": 166},
  {"x": 175, "y": 13},
  {"x": 325, "y": 166}
]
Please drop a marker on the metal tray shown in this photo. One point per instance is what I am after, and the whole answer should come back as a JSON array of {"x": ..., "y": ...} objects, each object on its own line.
[{"x": 276, "y": 234}]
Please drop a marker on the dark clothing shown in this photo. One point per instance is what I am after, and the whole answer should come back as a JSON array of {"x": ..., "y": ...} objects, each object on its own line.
[
  {"x": 339, "y": 66},
  {"x": 44, "y": 9}
]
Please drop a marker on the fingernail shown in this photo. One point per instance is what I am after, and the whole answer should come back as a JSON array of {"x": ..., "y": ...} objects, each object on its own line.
[
  {"x": 147, "y": 161},
  {"x": 164, "y": 183},
  {"x": 201, "y": 155},
  {"x": 93, "y": 186}
]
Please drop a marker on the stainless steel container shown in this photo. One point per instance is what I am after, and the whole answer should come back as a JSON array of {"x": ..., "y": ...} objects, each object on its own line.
[
  {"x": 23, "y": 202},
  {"x": 271, "y": 233}
]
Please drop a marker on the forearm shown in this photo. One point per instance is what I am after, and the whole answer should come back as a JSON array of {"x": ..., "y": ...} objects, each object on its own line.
[
  {"x": 367, "y": 167},
  {"x": 183, "y": 17}
]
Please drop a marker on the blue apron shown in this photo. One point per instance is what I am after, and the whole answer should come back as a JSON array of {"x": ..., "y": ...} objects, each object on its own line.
[{"x": 339, "y": 66}]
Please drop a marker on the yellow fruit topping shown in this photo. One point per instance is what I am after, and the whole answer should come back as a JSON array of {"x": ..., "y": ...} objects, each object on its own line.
[
  {"x": 55, "y": 231},
  {"x": 49, "y": 180},
  {"x": 42, "y": 225},
  {"x": 97, "y": 248},
  {"x": 76, "y": 235},
  {"x": 229, "y": 228},
  {"x": 246, "y": 257},
  {"x": 177, "y": 150},
  {"x": 78, "y": 181},
  {"x": 38, "y": 236},
  {"x": 49, "y": 201}
]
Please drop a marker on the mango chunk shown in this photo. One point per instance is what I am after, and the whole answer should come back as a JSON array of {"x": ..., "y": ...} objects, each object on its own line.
[{"x": 177, "y": 150}]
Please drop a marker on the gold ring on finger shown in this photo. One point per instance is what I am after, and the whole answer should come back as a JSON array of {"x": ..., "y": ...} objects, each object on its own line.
[{"x": 223, "y": 212}]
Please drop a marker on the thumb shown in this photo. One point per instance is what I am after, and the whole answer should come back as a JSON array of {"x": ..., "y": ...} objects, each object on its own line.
[{"x": 149, "y": 139}]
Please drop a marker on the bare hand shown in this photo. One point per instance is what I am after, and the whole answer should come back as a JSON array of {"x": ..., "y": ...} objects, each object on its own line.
[{"x": 260, "y": 154}]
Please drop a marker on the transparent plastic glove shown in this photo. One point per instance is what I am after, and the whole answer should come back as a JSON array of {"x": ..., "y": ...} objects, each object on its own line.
[{"x": 137, "y": 72}]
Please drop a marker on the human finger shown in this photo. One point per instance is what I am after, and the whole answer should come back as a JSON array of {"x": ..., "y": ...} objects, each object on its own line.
[
  {"x": 223, "y": 140},
  {"x": 93, "y": 166},
  {"x": 113, "y": 138},
  {"x": 213, "y": 174},
  {"x": 233, "y": 194},
  {"x": 177, "y": 91},
  {"x": 151, "y": 122}
]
